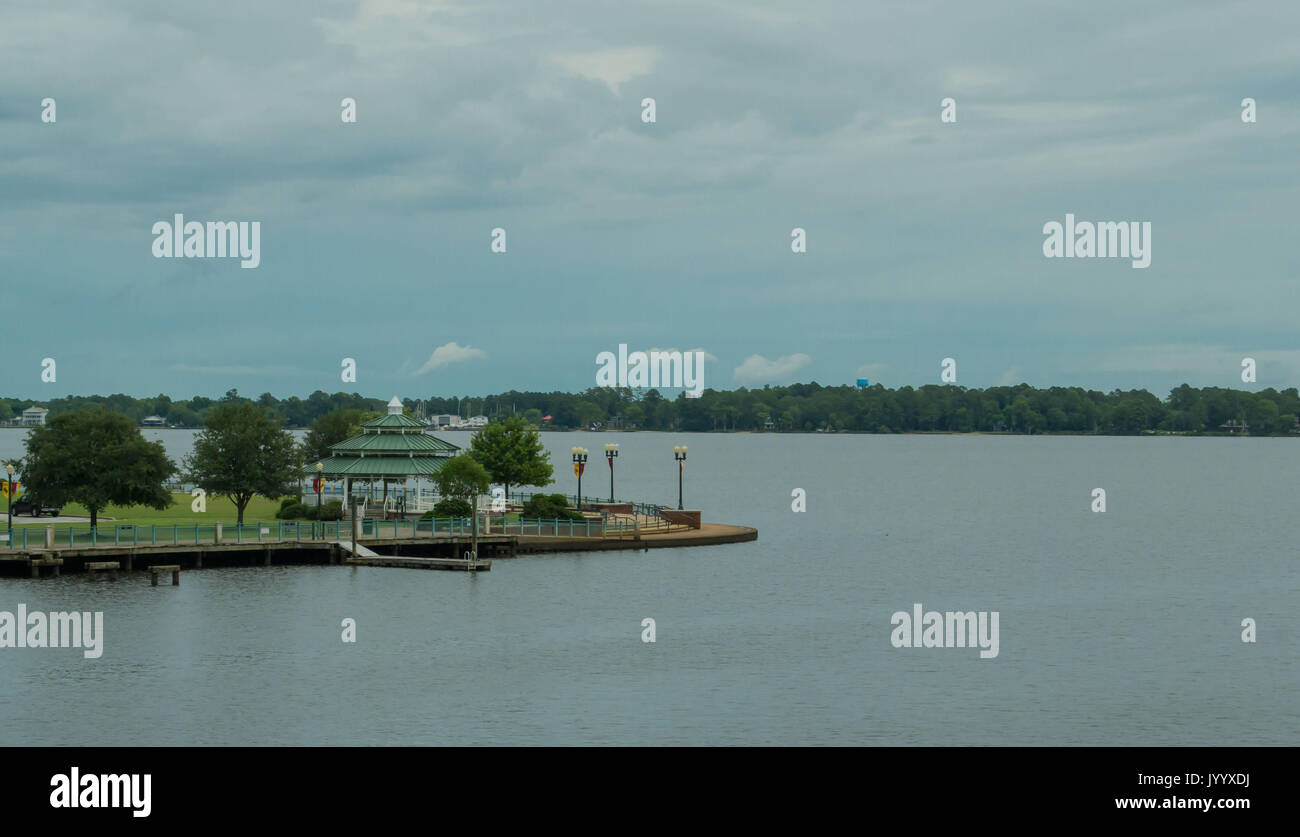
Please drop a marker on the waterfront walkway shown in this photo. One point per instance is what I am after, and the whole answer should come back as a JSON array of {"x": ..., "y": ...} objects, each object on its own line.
[{"x": 436, "y": 544}]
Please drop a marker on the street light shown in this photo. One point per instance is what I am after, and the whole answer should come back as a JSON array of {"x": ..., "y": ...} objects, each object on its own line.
[
  {"x": 611, "y": 451},
  {"x": 9, "y": 468},
  {"x": 320, "y": 483},
  {"x": 579, "y": 465},
  {"x": 679, "y": 453}
]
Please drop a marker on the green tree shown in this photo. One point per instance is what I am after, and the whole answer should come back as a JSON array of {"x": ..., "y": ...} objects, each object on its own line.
[
  {"x": 462, "y": 478},
  {"x": 512, "y": 453},
  {"x": 242, "y": 452},
  {"x": 96, "y": 457},
  {"x": 330, "y": 429}
]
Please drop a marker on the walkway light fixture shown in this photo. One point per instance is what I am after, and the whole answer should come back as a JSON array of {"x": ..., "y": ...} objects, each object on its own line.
[
  {"x": 611, "y": 451},
  {"x": 320, "y": 485},
  {"x": 579, "y": 465},
  {"x": 679, "y": 453},
  {"x": 9, "y": 469}
]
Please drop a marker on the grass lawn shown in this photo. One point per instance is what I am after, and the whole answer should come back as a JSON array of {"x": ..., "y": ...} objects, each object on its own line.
[{"x": 220, "y": 509}]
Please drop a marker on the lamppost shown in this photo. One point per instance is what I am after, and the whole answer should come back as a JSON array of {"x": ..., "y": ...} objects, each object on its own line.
[
  {"x": 9, "y": 469},
  {"x": 611, "y": 451},
  {"x": 300, "y": 479},
  {"x": 320, "y": 483},
  {"x": 679, "y": 453},
  {"x": 579, "y": 465}
]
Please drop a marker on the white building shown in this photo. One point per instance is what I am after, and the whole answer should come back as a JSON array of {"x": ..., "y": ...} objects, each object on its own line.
[
  {"x": 475, "y": 421},
  {"x": 34, "y": 416}
]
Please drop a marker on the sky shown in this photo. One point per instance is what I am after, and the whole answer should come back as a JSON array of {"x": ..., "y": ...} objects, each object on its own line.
[{"x": 924, "y": 237}]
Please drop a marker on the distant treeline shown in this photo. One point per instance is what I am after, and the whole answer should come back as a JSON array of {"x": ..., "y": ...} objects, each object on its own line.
[{"x": 798, "y": 407}]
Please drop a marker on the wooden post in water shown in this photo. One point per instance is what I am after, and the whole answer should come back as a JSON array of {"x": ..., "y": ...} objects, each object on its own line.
[{"x": 473, "y": 538}]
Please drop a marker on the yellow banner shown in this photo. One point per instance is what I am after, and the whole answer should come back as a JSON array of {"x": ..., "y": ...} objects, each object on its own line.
[
  {"x": 4, "y": 488},
  {"x": 575, "y": 469}
]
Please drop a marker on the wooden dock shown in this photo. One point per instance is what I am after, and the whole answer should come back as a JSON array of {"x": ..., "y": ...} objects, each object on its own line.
[{"x": 414, "y": 563}]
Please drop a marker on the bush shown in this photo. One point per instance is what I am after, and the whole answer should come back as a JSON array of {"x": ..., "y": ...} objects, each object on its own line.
[
  {"x": 450, "y": 507},
  {"x": 333, "y": 510},
  {"x": 548, "y": 507},
  {"x": 293, "y": 510}
]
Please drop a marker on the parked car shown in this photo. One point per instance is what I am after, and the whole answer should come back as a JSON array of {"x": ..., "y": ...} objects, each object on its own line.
[{"x": 27, "y": 505}]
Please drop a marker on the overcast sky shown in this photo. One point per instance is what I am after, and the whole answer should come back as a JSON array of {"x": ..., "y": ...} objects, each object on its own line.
[{"x": 924, "y": 239}]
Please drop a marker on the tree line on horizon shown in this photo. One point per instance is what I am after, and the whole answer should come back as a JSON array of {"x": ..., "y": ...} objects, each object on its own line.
[{"x": 794, "y": 408}]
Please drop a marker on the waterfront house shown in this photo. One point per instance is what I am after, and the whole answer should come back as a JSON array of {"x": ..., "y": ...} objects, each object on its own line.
[{"x": 34, "y": 416}]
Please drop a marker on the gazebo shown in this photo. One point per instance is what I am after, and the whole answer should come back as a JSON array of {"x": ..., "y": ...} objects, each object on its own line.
[{"x": 392, "y": 448}]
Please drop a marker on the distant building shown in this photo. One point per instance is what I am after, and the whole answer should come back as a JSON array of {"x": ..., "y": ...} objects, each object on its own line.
[
  {"x": 34, "y": 416},
  {"x": 154, "y": 421},
  {"x": 475, "y": 421}
]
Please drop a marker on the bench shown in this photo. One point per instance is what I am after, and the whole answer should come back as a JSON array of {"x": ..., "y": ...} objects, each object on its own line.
[{"x": 174, "y": 569}]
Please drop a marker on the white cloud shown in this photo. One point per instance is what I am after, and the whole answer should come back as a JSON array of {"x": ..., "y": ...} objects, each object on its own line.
[
  {"x": 759, "y": 370},
  {"x": 871, "y": 370},
  {"x": 611, "y": 67},
  {"x": 448, "y": 354}
]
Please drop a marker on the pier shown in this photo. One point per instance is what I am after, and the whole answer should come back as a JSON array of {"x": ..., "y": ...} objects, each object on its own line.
[{"x": 425, "y": 544}]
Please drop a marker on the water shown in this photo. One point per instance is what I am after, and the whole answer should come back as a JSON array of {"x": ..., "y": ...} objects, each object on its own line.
[{"x": 1115, "y": 628}]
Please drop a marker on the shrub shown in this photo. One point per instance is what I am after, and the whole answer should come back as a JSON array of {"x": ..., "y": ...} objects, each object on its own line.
[
  {"x": 550, "y": 506},
  {"x": 293, "y": 511},
  {"x": 450, "y": 507},
  {"x": 333, "y": 510}
]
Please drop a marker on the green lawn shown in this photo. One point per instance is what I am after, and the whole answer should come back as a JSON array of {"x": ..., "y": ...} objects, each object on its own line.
[{"x": 219, "y": 509}]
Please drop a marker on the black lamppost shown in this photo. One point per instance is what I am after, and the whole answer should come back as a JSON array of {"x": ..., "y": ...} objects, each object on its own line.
[
  {"x": 679, "y": 453},
  {"x": 611, "y": 451},
  {"x": 579, "y": 465},
  {"x": 320, "y": 484},
  {"x": 9, "y": 469}
]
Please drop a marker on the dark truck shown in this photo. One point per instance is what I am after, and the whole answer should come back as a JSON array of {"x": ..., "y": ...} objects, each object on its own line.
[{"x": 26, "y": 505}]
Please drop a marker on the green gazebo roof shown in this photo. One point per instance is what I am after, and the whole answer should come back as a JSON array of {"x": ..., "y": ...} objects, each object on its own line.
[
  {"x": 393, "y": 421},
  {"x": 361, "y": 467}
]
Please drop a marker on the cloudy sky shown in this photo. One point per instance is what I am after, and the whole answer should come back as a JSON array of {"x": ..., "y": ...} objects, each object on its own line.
[{"x": 924, "y": 239}]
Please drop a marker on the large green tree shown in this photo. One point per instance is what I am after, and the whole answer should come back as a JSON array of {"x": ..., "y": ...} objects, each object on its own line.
[
  {"x": 512, "y": 453},
  {"x": 241, "y": 452},
  {"x": 462, "y": 478},
  {"x": 96, "y": 457},
  {"x": 330, "y": 429}
]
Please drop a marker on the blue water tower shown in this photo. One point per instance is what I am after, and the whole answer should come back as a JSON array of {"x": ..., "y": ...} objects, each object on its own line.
[{"x": 862, "y": 383}]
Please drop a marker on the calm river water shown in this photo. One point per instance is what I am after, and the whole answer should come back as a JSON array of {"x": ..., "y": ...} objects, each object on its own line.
[{"x": 1121, "y": 627}]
